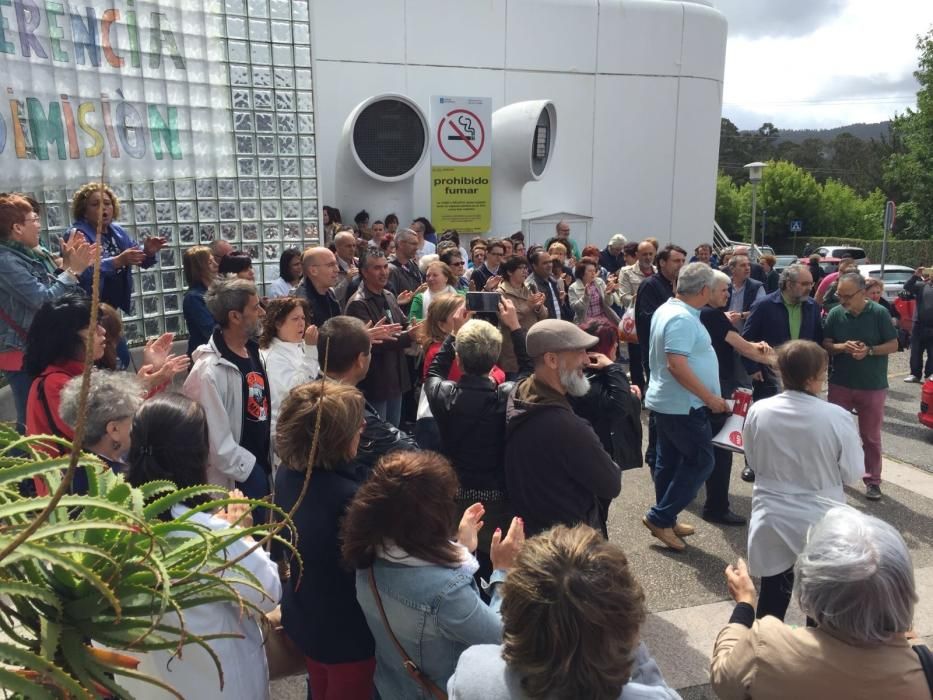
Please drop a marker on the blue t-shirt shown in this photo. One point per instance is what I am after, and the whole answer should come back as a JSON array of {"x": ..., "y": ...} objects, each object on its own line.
[{"x": 676, "y": 329}]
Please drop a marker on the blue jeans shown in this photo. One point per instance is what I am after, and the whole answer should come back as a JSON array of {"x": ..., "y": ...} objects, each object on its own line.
[
  {"x": 390, "y": 410},
  {"x": 19, "y": 383},
  {"x": 685, "y": 461}
]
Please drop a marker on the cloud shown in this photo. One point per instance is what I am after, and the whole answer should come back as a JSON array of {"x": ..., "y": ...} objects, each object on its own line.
[
  {"x": 856, "y": 86},
  {"x": 786, "y": 18}
]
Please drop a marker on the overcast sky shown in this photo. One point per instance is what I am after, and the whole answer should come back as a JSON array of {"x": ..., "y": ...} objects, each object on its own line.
[{"x": 821, "y": 63}]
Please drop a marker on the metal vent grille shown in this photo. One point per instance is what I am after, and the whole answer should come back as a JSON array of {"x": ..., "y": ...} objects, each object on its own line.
[{"x": 389, "y": 138}]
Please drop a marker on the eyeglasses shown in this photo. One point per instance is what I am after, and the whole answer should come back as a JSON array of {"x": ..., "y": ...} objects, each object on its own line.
[
  {"x": 31, "y": 219},
  {"x": 457, "y": 264},
  {"x": 848, "y": 297}
]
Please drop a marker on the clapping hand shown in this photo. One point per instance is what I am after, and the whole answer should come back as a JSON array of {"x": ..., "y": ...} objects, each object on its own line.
[
  {"x": 741, "y": 586},
  {"x": 492, "y": 283},
  {"x": 153, "y": 244},
  {"x": 404, "y": 298},
  {"x": 503, "y": 552},
  {"x": 236, "y": 513},
  {"x": 157, "y": 350},
  {"x": 508, "y": 314},
  {"x": 311, "y": 335},
  {"x": 77, "y": 253},
  {"x": 537, "y": 300},
  {"x": 470, "y": 525},
  {"x": 382, "y": 330}
]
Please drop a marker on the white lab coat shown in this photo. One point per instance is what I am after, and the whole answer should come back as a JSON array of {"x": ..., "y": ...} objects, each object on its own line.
[
  {"x": 803, "y": 450},
  {"x": 194, "y": 676},
  {"x": 287, "y": 365}
]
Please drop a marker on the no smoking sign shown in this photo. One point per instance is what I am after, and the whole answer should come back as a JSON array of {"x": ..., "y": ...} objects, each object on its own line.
[{"x": 461, "y": 135}]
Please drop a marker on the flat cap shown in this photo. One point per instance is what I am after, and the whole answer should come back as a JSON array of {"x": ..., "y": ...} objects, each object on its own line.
[{"x": 554, "y": 335}]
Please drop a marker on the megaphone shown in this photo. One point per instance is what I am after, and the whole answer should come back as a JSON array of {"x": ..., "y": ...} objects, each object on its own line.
[{"x": 730, "y": 436}]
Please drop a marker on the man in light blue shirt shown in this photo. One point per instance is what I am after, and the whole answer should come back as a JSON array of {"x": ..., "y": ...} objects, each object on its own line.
[{"x": 682, "y": 392}]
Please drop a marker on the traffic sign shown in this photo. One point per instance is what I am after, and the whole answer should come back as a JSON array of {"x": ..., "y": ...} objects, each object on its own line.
[{"x": 796, "y": 226}]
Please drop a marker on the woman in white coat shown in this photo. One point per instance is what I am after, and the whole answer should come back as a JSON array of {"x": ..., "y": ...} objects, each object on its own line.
[
  {"x": 803, "y": 449},
  {"x": 288, "y": 346},
  {"x": 170, "y": 442}
]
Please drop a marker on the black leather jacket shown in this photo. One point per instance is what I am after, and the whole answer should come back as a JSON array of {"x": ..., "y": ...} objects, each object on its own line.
[
  {"x": 379, "y": 438},
  {"x": 470, "y": 416}
]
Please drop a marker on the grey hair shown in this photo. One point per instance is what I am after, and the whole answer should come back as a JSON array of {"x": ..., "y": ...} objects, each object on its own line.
[
  {"x": 856, "y": 577},
  {"x": 228, "y": 295},
  {"x": 113, "y": 396},
  {"x": 853, "y": 277},
  {"x": 478, "y": 346},
  {"x": 404, "y": 232},
  {"x": 720, "y": 277},
  {"x": 734, "y": 260},
  {"x": 790, "y": 275},
  {"x": 618, "y": 240},
  {"x": 693, "y": 277},
  {"x": 345, "y": 234},
  {"x": 427, "y": 260}
]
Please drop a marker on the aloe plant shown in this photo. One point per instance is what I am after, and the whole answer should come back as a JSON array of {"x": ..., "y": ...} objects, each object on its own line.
[{"x": 103, "y": 567}]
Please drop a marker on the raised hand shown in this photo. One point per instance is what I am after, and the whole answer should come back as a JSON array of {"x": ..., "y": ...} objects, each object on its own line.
[
  {"x": 77, "y": 253},
  {"x": 130, "y": 256},
  {"x": 470, "y": 525},
  {"x": 502, "y": 552},
  {"x": 158, "y": 350},
  {"x": 153, "y": 245}
]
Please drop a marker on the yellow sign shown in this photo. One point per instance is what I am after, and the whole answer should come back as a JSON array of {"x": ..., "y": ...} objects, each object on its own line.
[{"x": 461, "y": 197}]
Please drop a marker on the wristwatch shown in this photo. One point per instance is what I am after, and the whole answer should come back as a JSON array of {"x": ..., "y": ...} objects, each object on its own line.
[{"x": 871, "y": 350}]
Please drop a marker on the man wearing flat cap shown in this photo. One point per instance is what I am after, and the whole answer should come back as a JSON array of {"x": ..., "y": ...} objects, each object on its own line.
[{"x": 555, "y": 465}]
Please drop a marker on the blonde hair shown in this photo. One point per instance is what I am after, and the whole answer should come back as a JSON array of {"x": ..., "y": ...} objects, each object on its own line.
[
  {"x": 196, "y": 262},
  {"x": 79, "y": 200},
  {"x": 341, "y": 408},
  {"x": 442, "y": 308}
]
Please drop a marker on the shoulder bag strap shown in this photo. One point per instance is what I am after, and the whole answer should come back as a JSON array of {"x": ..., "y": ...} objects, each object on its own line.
[
  {"x": 18, "y": 329},
  {"x": 410, "y": 666},
  {"x": 926, "y": 661}
]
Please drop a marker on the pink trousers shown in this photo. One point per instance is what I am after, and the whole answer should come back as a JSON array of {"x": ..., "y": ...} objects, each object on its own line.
[{"x": 869, "y": 404}]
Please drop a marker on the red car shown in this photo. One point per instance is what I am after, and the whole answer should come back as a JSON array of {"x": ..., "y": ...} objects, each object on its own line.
[{"x": 926, "y": 404}]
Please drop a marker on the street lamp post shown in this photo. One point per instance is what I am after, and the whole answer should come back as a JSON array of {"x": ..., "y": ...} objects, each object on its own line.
[{"x": 754, "y": 177}]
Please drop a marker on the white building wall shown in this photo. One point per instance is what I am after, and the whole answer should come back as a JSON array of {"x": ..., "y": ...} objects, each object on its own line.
[{"x": 637, "y": 85}]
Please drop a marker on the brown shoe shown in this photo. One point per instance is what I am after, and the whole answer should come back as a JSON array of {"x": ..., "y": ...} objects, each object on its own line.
[
  {"x": 683, "y": 530},
  {"x": 666, "y": 535}
]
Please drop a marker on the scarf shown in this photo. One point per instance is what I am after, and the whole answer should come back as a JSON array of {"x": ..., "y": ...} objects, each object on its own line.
[
  {"x": 38, "y": 254},
  {"x": 395, "y": 554},
  {"x": 426, "y": 297}
]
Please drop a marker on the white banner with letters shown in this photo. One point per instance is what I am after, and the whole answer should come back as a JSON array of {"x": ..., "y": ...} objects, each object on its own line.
[{"x": 141, "y": 83}]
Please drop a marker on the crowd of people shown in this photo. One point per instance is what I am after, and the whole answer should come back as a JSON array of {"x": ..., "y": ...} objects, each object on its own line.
[{"x": 460, "y": 464}]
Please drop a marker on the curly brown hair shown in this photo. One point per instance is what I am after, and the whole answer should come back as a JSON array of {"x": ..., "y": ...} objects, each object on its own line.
[
  {"x": 408, "y": 500},
  {"x": 341, "y": 407},
  {"x": 80, "y": 197},
  {"x": 277, "y": 311},
  {"x": 571, "y": 611}
]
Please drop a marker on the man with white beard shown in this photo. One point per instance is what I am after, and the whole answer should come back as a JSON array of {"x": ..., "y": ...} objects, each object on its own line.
[
  {"x": 683, "y": 392},
  {"x": 555, "y": 465}
]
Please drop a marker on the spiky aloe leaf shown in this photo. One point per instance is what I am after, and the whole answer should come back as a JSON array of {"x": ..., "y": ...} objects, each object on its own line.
[{"x": 25, "y": 658}]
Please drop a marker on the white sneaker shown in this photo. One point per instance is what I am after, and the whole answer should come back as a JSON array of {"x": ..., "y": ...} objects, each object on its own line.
[{"x": 911, "y": 379}]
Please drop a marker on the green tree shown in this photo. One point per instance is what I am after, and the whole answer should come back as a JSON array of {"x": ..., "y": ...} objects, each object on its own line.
[
  {"x": 788, "y": 192},
  {"x": 728, "y": 206},
  {"x": 910, "y": 168},
  {"x": 844, "y": 214}
]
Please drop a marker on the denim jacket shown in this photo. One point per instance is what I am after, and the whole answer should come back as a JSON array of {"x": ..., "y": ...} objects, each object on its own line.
[
  {"x": 435, "y": 613},
  {"x": 25, "y": 285}
]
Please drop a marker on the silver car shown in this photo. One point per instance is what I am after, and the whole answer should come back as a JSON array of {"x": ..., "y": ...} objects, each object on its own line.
[{"x": 893, "y": 279}]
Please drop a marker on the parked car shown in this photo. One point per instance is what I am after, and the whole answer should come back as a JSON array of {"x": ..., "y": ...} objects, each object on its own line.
[
  {"x": 893, "y": 279},
  {"x": 926, "y": 404},
  {"x": 839, "y": 251},
  {"x": 828, "y": 264},
  {"x": 783, "y": 261}
]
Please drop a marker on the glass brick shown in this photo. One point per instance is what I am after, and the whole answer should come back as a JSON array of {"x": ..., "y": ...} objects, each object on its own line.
[
  {"x": 308, "y": 188},
  {"x": 250, "y": 232},
  {"x": 148, "y": 282},
  {"x": 271, "y": 251},
  {"x": 207, "y": 210},
  {"x": 248, "y": 188},
  {"x": 262, "y": 99},
  {"x": 186, "y": 234},
  {"x": 308, "y": 167},
  {"x": 262, "y": 77},
  {"x": 227, "y": 211},
  {"x": 288, "y": 145},
  {"x": 207, "y": 233},
  {"x": 304, "y": 102},
  {"x": 186, "y": 211},
  {"x": 168, "y": 233},
  {"x": 270, "y": 210},
  {"x": 300, "y": 11},
  {"x": 173, "y": 324},
  {"x": 280, "y": 9},
  {"x": 311, "y": 232},
  {"x": 167, "y": 256},
  {"x": 270, "y": 232},
  {"x": 252, "y": 251},
  {"x": 245, "y": 145},
  {"x": 281, "y": 54},
  {"x": 291, "y": 210},
  {"x": 301, "y": 32},
  {"x": 284, "y": 78},
  {"x": 171, "y": 302},
  {"x": 230, "y": 232},
  {"x": 241, "y": 99},
  {"x": 53, "y": 216},
  {"x": 142, "y": 212},
  {"x": 284, "y": 101},
  {"x": 235, "y": 7},
  {"x": 248, "y": 211},
  {"x": 292, "y": 232},
  {"x": 239, "y": 75},
  {"x": 242, "y": 121},
  {"x": 260, "y": 54},
  {"x": 303, "y": 78},
  {"x": 309, "y": 209},
  {"x": 286, "y": 122},
  {"x": 305, "y": 124},
  {"x": 306, "y": 145},
  {"x": 170, "y": 280},
  {"x": 269, "y": 188},
  {"x": 143, "y": 232},
  {"x": 236, "y": 28},
  {"x": 142, "y": 190},
  {"x": 265, "y": 122},
  {"x": 245, "y": 167},
  {"x": 238, "y": 51},
  {"x": 259, "y": 30},
  {"x": 303, "y": 59},
  {"x": 226, "y": 188},
  {"x": 268, "y": 167},
  {"x": 266, "y": 144},
  {"x": 184, "y": 189},
  {"x": 162, "y": 189},
  {"x": 281, "y": 33},
  {"x": 154, "y": 327},
  {"x": 288, "y": 167},
  {"x": 258, "y": 8},
  {"x": 206, "y": 188},
  {"x": 132, "y": 331},
  {"x": 152, "y": 305},
  {"x": 290, "y": 188},
  {"x": 122, "y": 191}
]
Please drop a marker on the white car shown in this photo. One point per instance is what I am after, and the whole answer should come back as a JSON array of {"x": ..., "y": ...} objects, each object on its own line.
[
  {"x": 843, "y": 251},
  {"x": 893, "y": 279}
]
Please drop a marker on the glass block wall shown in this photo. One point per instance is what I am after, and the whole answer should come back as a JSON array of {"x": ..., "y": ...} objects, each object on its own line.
[{"x": 270, "y": 205}]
